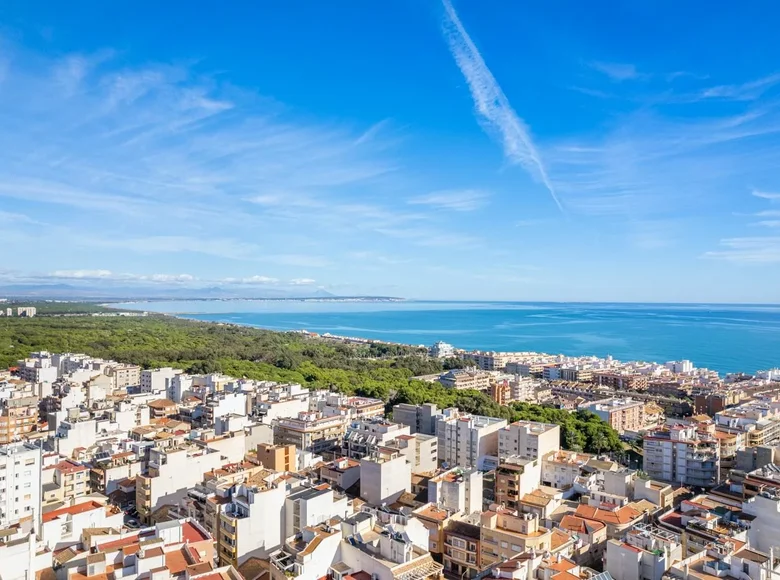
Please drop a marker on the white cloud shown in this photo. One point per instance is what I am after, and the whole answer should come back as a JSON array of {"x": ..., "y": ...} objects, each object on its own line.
[
  {"x": 766, "y": 195},
  {"x": 457, "y": 200},
  {"x": 302, "y": 282},
  {"x": 258, "y": 280},
  {"x": 77, "y": 274},
  {"x": 491, "y": 103},
  {"x": 114, "y": 276}
]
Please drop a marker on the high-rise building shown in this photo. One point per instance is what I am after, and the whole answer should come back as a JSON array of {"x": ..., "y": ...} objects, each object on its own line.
[
  {"x": 468, "y": 440},
  {"x": 20, "y": 484}
]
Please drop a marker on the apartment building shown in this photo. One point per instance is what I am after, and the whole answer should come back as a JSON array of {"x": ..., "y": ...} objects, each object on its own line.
[
  {"x": 462, "y": 546},
  {"x": 468, "y": 440},
  {"x": 252, "y": 523},
  {"x": 157, "y": 380},
  {"x": 363, "y": 436},
  {"x": 419, "y": 418},
  {"x": 441, "y": 350},
  {"x": 457, "y": 490},
  {"x": 169, "y": 474},
  {"x": 124, "y": 375},
  {"x": 64, "y": 481},
  {"x": 26, "y": 311},
  {"x": 682, "y": 455},
  {"x": 37, "y": 370},
  {"x": 515, "y": 479},
  {"x": 528, "y": 440},
  {"x": 620, "y": 381},
  {"x": 332, "y": 404},
  {"x": 311, "y": 505},
  {"x": 20, "y": 483},
  {"x": 461, "y": 379},
  {"x": 341, "y": 473},
  {"x": 18, "y": 418},
  {"x": 221, "y": 404},
  {"x": 311, "y": 431},
  {"x": 560, "y": 469},
  {"x": 277, "y": 457},
  {"x": 108, "y": 470},
  {"x": 384, "y": 477},
  {"x": 621, "y": 414},
  {"x": 421, "y": 451},
  {"x": 646, "y": 548},
  {"x": 505, "y": 534},
  {"x": 492, "y": 361}
]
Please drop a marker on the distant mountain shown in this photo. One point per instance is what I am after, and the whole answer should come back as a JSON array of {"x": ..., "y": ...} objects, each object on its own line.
[{"x": 113, "y": 293}]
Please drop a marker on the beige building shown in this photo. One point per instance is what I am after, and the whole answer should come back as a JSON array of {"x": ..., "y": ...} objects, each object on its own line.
[
  {"x": 528, "y": 440},
  {"x": 124, "y": 375},
  {"x": 515, "y": 479},
  {"x": 311, "y": 432},
  {"x": 621, "y": 414},
  {"x": 277, "y": 457},
  {"x": 461, "y": 379},
  {"x": 506, "y": 534}
]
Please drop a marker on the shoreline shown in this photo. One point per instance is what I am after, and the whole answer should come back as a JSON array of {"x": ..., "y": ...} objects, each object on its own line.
[{"x": 617, "y": 341}]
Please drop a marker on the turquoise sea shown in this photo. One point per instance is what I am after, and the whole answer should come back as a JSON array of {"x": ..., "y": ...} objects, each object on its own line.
[{"x": 727, "y": 338}]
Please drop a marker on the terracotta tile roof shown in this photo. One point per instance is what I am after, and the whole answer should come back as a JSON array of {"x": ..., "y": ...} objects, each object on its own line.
[
  {"x": 176, "y": 561},
  {"x": 580, "y": 525},
  {"x": 73, "y": 510},
  {"x": 621, "y": 516}
]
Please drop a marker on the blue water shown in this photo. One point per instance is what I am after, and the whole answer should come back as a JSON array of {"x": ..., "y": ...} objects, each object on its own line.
[{"x": 726, "y": 338}]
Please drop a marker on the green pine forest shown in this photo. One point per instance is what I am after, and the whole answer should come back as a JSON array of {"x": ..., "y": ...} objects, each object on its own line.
[{"x": 376, "y": 370}]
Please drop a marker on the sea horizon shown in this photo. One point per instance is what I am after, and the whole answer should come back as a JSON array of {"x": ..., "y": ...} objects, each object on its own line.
[{"x": 724, "y": 337}]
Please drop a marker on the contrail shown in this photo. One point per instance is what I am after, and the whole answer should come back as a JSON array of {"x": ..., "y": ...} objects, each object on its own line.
[{"x": 491, "y": 103}]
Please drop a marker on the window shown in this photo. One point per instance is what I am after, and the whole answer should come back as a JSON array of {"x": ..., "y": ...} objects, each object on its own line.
[{"x": 27, "y": 485}]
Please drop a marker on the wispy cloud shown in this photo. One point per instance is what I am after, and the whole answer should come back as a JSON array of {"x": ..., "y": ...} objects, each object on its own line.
[
  {"x": 766, "y": 195},
  {"x": 617, "y": 71},
  {"x": 750, "y": 250},
  {"x": 747, "y": 91},
  {"x": 302, "y": 282},
  {"x": 491, "y": 103},
  {"x": 458, "y": 200}
]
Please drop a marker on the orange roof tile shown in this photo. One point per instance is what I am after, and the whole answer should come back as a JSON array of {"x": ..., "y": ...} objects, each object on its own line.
[{"x": 73, "y": 510}]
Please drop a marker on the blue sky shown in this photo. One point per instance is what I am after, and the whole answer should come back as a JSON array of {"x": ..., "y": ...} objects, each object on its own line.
[{"x": 473, "y": 150}]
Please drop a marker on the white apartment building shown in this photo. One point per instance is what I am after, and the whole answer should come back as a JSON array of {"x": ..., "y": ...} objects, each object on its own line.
[
  {"x": 26, "y": 311},
  {"x": 492, "y": 361},
  {"x": 169, "y": 475},
  {"x": 468, "y": 440},
  {"x": 384, "y": 477},
  {"x": 682, "y": 455},
  {"x": 441, "y": 350},
  {"x": 252, "y": 524},
  {"x": 421, "y": 451},
  {"x": 309, "y": 506},
  {"x": 157, "y": 380},
  {"x": 680, "y": 366},
  {"x": 764, "y": 532},
  {"x": 222, "y": 404},
  {"x": 124, "y": 375},
  {"x": 459, "y": 490},
  {"x": 37, "y": 370},
  {"x": 528, "y": 440},
  {"x": 20, "y": 483},
  {"x": 560, "y": 469},
  {"x": 363, "y": 436}
]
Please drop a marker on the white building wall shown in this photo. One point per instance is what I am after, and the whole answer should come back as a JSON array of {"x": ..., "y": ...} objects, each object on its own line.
[
  {"x": 261, "y": 532},
  {"x": 20, "y": 466},
  {"x": 384, "y": 482},
  {"x": 764, "y": 532}
]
